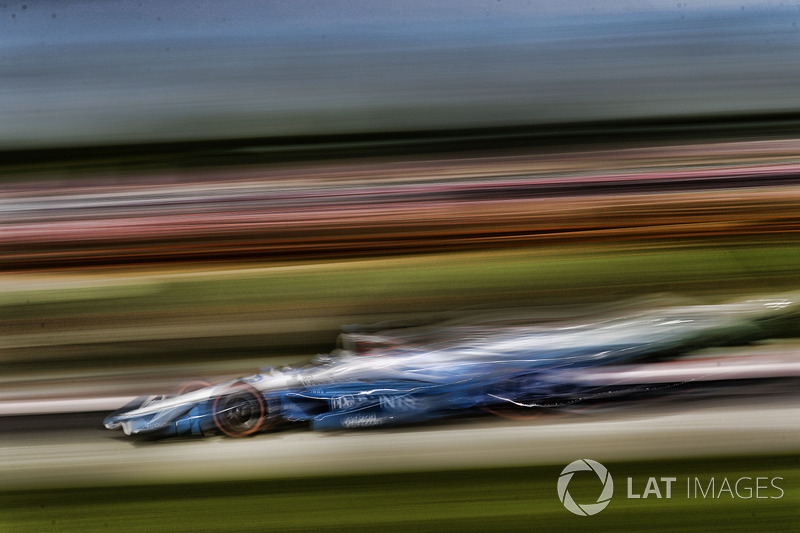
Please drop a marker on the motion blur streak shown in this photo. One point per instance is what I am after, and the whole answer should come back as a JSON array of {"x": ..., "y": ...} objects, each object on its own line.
[
  {"x": 194, "y": 191},
  {"x": 430, "y": 206},
  {"x": 87, "y": 74}
]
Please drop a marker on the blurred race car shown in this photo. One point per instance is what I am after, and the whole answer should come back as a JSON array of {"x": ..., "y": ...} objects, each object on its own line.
[{"x": 381, "y": 377}]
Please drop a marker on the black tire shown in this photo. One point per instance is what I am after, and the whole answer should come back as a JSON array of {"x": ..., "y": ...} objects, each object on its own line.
[{"x": 240, "y": 411}]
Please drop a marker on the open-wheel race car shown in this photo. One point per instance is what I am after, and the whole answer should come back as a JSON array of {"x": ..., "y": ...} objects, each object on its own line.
[{"x": 400, "y": 375}]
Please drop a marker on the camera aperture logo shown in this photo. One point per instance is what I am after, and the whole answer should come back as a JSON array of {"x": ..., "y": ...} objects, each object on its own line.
[
  {"x": 664, "y": 488},
  {"x": 586, "y": 509}
]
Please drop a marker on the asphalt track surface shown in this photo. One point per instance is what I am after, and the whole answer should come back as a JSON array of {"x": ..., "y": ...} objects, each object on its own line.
[{"x": 35, "y": 452}]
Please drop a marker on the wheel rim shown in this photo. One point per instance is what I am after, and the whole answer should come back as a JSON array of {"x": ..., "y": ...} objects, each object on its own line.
[{"x": 239, "y": 412}]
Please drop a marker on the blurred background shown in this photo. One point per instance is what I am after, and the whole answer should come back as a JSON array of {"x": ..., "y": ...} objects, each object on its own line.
[{"x": 199, "y": 189}]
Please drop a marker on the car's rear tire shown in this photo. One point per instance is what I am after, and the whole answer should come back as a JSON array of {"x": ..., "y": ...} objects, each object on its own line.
[{"x": 240, "y": 411}]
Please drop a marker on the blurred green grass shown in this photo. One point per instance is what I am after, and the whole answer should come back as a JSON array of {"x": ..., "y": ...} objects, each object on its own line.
[
  {"x": 545, "y": 275},
  {"x": 505, "y": 499},
  {"x": 95, "y": 317}
]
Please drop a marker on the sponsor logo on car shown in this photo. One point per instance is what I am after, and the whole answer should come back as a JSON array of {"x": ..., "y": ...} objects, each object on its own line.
[{"x": 362, "y": 421}]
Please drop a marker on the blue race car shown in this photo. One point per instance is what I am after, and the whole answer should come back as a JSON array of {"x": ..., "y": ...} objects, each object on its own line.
[{"x": 383, "y": 377}]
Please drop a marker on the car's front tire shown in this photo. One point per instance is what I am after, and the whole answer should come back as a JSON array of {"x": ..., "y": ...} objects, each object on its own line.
[{"x": 240, "y": 411}]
